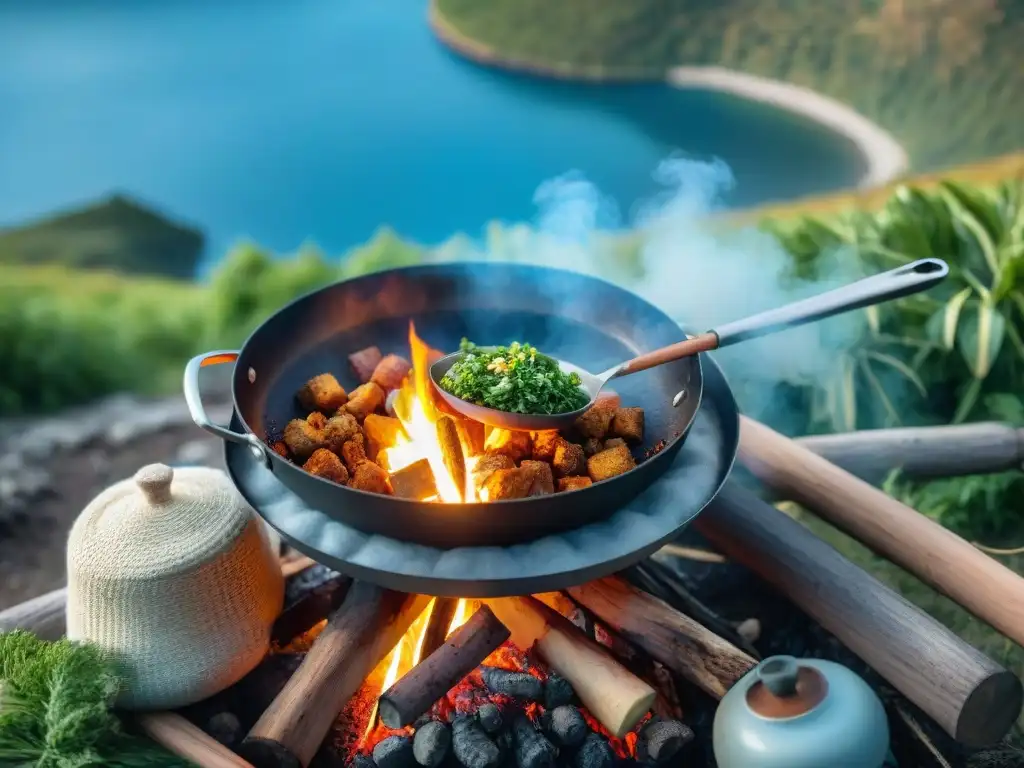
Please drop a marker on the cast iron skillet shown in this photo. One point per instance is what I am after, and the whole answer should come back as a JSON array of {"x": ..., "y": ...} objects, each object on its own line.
[{"x": 570, "y": 316}]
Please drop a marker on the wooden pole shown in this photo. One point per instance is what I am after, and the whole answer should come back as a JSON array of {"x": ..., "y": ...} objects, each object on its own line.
[
  {"x": 923, "y": 452},
  {"x": 44, "y": 616},
  {"x": 178, "y": 735},
  {"x": 970, "y": 696},
  {"x": 435, "y": 675},
  {"x": 436, "y": 633},
  {"x": 986, "y": 588},
  {"x": 677, "y": 641},
  {"x": 356, "y": 639},
  {"x": 609, "y": 691}
]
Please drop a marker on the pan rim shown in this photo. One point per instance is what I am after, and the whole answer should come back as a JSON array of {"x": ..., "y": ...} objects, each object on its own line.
[{"x": 276, "y": 459}]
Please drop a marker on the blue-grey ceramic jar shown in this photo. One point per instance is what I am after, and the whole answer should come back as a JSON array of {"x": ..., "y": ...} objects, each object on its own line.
[{"x": 806, "y": 713}]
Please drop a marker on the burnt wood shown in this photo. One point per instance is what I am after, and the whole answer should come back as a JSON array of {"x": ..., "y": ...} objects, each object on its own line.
[
  {"x": 437, "y": 625},
  {"x": 435, "y": 675},
  {"x": 971, "y": 697}
]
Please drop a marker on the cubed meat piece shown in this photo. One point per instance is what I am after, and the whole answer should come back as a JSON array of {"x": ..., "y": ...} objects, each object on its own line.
[
  {"x": 592, "y": 445},
  {"x": 573, "y": 483},
  {"x": 302, "y": 436},
  {"x": 542, "y": 482},
  {"x": 364, "y": 363},
  {"x": 317, "y": 421},
  {"x": 471, "y": 435},
  {"x": 569, "y": 459},
  {"x": 280, "y": 448},
  {"x": 391, "y": 372},
  {"x": 629, "y": 425},
  {"x": 544, "y": 444},
  {"x": 515, "y": 445},
  {"x": 490, "y": 463},
  {"x": 610, "y": 463},
  {"x": 595, "y": 422},
  {"x": 369, "y": 477},
  {"x": 415, "y": 481},
  {"x": 364, "y": 400},
  {"x": 339, "y": 430},
  {"x": 611, "y": 442},
  {"x": 322, "y": 393},
  {"x": 381, "y": 432},
  {"x": 353, "y": 452},
  {"x": 325, "y": 464},
  {"x": 608, "y": 399},
  {"x": 503, "y": 484}
]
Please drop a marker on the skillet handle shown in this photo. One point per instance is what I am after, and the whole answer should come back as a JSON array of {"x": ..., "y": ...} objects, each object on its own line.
[{"x": 194, "y": 400}]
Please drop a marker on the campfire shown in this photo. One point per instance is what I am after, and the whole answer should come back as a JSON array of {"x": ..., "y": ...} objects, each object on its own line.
[{"x": 392, "y": 435}]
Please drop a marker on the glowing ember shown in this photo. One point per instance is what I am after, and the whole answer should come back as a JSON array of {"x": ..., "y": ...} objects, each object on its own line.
[{"x": 414, "y": 407}]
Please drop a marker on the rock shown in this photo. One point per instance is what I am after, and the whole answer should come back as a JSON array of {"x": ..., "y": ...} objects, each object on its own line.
[
  {"x": 225, "y": 728},
  {"x": 595, "y": 753},
  {"x": 532, "y": 750},
  {"x": 568, "y": 726},
  {"x": 430, "y": 744},
  {"x": 518, "y": 685},
  {"x": 394, "y": 752},
  {"x": 660, "y": 741},
  {"x": 472, "y": 747},
  {"x": 490, "y": 717},
  {"x": 557, "y": 691}
]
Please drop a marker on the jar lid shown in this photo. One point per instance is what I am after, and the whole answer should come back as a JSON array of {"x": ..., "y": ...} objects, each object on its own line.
[
  {"x": 785, "y": 688},
  {"x": 160, "y": 521}
]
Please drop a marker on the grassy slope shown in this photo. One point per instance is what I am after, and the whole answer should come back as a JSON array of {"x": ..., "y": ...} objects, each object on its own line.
[{"x": 944, "y": 77}]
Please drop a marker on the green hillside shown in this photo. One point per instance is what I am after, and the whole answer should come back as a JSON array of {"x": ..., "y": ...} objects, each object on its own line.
[
  {"x": 116, "y": 233},
  {"x": 944, "y": 76}
]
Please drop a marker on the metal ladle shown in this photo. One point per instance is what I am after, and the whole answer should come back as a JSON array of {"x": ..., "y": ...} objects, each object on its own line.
[{"x": 896, "y": 283}]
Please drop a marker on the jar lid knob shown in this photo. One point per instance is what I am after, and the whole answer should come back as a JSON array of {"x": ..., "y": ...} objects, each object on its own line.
[
  {"x": 154, "y": 480},
  {"x": 779, "y": 675}
]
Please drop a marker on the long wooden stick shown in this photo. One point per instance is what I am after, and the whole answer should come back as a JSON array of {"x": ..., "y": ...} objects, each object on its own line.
[
  {"x": 357, "y": 637},
  {"x": 986, "y": 588},
  {"x": 677, "y": 641},
  {"x": 970, "y": 696},
  {"x": 44, "y": 616},
  {"x": 179, "y": 736}
]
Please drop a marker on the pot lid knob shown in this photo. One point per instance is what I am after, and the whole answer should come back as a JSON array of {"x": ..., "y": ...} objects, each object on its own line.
[
  {"x": 154, "y": 480},
  {"x": 779, "y": 675}
]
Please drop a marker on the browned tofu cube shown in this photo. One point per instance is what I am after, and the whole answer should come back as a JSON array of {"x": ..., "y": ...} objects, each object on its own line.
[
  {"x": 569, "y": 459},
  {"x": 610, "y": 463},
  {"x": 280, "y": 448},
  {"x": 544, "y": 444},
  {"x": 369, "y": 477},
  {"x": 322, "y": 393},
  {"x": 490, "y": 463},
  {"x": 364, "y": 400},
  {"x": 515, "y": 445},
  {"x": 629, "y": 425},
  {"x": 595, "y": 422},
  {"x": 325, "y": 464},
  {"x": 381, "y": 432},
  {"x": 592, "y": 445},
  {"x": 608, "y": 399},
  {"x": 542, "y": 482},
  {"x": 391, "y": 372},
  {"x": 317, "y": 420},
  {"x": 338, "y": 430},
  {"x": 353, "y": 452},
  {"x": 611, "y": 442},
  {"x": 504, "y": 484},
  {"x": 302, "y": 436},
  {"x": 573, "y": 483},
  {"x": 415, "y": 481},
  {"x": 364, "y": 363}
]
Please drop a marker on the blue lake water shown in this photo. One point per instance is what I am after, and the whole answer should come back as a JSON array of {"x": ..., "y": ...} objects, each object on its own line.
[{"x": 322, "y": 120}]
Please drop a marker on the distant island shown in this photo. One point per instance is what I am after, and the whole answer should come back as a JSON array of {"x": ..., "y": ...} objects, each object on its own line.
[
  {"x": 116, "y": 233},
  {"x": 943, "y": 78}
]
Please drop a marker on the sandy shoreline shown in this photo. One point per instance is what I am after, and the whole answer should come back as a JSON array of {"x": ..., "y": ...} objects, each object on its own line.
[{"x": 885, "y": 157}]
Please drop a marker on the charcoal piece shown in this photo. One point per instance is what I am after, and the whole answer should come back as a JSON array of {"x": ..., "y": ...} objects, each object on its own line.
[
  {"x": 532, "y": 749},
  {"x": 518, "y": 685},
  {"x": 661, "y": 741},
  {"x": 490, "y": 717},
  {"x": 472, "y": 747},
  {"x": 394, "y": 752},
  {"x": 568, "y": 726},
  {"x": 422, "y": 720},
  {"x": 557, "y": 692},
  {"x": 505, "y": 741},
  {"x": 311, "y": 607},
  {"x": 225, "y": 728},
  {"x": 594, "y": 753},
  {"x": 430, "y": 744},
  {"x": 362, "y": 761}
]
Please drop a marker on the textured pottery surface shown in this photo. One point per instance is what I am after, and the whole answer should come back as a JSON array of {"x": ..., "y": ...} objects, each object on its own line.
[{"x": 844, "y": 725}]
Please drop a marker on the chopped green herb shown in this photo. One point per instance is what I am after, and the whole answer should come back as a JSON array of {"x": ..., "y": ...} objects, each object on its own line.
[{"x": 514, "y": 379}]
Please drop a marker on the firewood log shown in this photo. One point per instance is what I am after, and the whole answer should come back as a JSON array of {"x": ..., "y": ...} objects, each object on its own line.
[
  {"x": 612, "y": 694},
  {"x": 357, "y": 637},
  {"x": 178, "y": 735},
  {"x": 677, "y": 641},
  {"x": 437, "y": 625}
]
